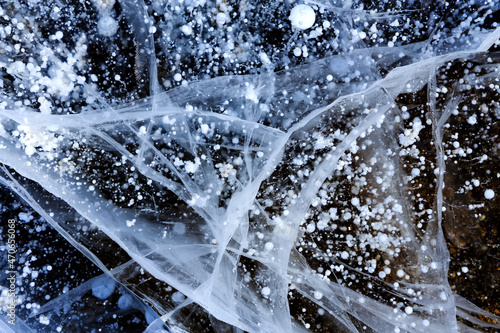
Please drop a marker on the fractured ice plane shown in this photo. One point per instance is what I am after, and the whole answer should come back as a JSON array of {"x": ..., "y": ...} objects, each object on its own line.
[{"x": 227, "y": 171}]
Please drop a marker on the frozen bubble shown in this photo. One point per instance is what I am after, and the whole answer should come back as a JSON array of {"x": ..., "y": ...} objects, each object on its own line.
[
  {"x": 103, "y": 288},
  {"x": 382, "y": 238},
  {"x": 318, "y": 295},
  {"x": 472, "y": 119},
  {"x": 204, "y": 128},
  {"x": 44, "y": 320},
  {"x": 178, "y": 297},
  {"x": 187, "y": 30},
  {"x": 107, "y": 26},
  {"x": 489, "y": 194},
  {"x": 302, "y": 17},
  {"x": 266, "y": 291},
  {"x": 125, "y": 302},
  {"x": 179, "y": 228}
]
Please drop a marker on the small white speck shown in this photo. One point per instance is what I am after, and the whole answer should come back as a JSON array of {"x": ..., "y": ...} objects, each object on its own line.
[
  {"x": 266, "y": 291},
  {"x": 489, "y": 194},
  {"x": 409, "y": 310}
]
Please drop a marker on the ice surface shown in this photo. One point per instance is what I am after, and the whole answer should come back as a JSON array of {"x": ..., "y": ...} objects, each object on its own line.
[{"x": 265, "y": 191}]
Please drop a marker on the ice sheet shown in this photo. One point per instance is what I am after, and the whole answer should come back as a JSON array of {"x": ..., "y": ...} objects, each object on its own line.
[{"x": 289, "y": 186}]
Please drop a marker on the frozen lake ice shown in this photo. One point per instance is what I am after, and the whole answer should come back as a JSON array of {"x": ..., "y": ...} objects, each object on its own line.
[{"x": 250, "y": 166}]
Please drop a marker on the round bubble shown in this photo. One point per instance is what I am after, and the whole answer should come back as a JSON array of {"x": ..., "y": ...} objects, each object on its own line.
[
  {"x": 302, "y": 17},
  {"x": 107, "y": 26},
  {"x": 125, "y": 302},
  {"x": 103, "y": 288}
]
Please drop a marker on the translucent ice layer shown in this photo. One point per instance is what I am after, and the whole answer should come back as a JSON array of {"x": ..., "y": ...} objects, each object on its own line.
[{"x": 270, "y": 179}]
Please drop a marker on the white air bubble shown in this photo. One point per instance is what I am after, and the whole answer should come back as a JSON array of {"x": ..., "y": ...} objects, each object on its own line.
[
  {"x": 302, "y": 17},
  {"x": 489, "y": 194},
  {"x": 107, "y": 26}
]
